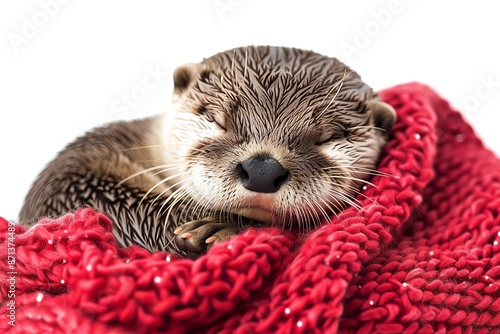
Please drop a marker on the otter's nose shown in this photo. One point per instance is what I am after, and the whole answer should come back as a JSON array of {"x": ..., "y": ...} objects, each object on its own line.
[{"x": 262, "y": 174}]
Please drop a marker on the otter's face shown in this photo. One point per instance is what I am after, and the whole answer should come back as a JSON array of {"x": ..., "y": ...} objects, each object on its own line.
[{"x": 274, "y": 134}]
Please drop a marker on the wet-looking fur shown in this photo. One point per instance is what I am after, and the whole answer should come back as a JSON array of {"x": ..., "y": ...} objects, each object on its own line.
[{"x": 255, "y": 136}]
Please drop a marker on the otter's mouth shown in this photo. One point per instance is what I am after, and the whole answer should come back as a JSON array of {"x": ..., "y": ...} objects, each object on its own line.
[
  {"x": 270, "y": 216},
  {"x": 260, "y": 214}
]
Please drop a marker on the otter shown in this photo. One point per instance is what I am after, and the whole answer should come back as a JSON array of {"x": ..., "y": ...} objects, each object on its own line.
[{"x": 255, "y": 136}]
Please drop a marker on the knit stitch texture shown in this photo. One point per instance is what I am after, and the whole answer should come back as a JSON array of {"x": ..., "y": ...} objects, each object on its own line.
[{"x": 422, "y": 255}]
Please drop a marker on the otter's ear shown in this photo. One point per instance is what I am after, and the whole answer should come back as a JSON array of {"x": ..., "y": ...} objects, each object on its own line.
[
  {"x": 383, "y": 114},
  {"x": 184, "y": 76}
]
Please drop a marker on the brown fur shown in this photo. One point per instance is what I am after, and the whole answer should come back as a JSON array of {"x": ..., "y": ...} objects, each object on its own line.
[{"x": 311, "y": 113}]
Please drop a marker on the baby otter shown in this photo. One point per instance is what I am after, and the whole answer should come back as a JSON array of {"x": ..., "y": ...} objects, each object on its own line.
[{"x": 261, "y": 135}]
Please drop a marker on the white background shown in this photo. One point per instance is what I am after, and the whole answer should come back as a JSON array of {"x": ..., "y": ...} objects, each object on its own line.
[{"x": 72, "y": 71}]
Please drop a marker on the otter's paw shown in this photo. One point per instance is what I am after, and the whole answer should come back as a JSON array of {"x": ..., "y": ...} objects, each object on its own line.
[{"x": 197, "y": 236}]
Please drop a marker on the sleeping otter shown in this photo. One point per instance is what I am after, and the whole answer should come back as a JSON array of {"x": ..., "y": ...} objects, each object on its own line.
[{"x": 255, "y": 136}]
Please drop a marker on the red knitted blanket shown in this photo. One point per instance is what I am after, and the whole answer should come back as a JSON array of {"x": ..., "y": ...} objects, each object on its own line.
[{"x": 421, "y": 256}]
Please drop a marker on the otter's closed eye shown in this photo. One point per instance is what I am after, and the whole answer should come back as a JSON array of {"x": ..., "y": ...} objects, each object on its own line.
[
  {"x": 329, "y": 137},
  {"x": 219, "y": 125},
  {"x": 211, "y": 117}
]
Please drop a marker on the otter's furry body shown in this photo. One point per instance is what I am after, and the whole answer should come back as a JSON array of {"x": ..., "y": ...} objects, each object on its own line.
[{"x": 270, "y": 135}]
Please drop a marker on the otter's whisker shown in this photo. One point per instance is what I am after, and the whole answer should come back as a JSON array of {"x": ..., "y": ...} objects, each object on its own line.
[
  {"x": 357, "y": 192},
  {"x": 139, "y": 148},
  {"x": 334, "y": 210},
  {"x": 235, "y": 76},
  {"x": 164, "y": 170},
  {"x": 312, "y": 212},
  {"x": 183, "y": 196},
  {"x": 345, "y": 199},
  {"x": 303, "y": 219},
  {"x": 246, "y": 63},
  {"x": 353, "y": 179},
  {"x": 171, "y": 200},
  {"x": 322, "y": 210},
  {"x": 149, "y": 160},
  {"x": 160, "y": 183},
  {"x": 346, "y": 74},
  {"x": 295, "y": 216},
  {"x": 142, "y": 172},
  {"x": 371, "y": 127},
  {"x": 313, "y": 119},
  {"x": 360, "y": 170},
  {"x": 170, "y": 196}
]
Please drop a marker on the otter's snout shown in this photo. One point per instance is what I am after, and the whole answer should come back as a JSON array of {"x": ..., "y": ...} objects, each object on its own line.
[{"x": 262, "y": 174}]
